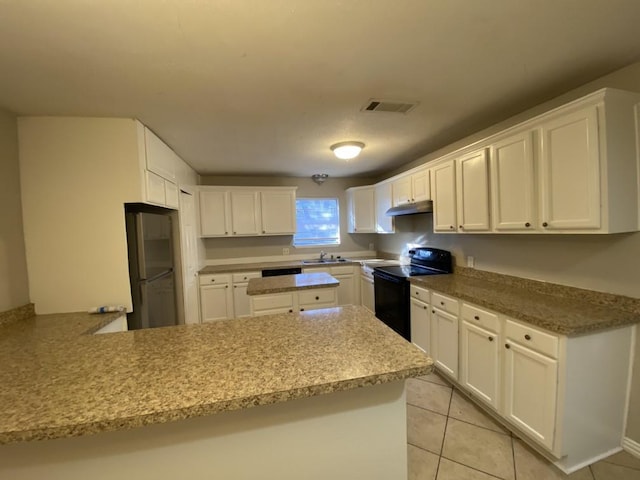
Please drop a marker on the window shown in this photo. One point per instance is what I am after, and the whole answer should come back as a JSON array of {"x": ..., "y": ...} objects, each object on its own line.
[{"x": 318, "y": 222}]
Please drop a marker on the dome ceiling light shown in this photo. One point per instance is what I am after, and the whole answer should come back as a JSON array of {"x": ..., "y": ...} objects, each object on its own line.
[{"x": 347, "y": 150}]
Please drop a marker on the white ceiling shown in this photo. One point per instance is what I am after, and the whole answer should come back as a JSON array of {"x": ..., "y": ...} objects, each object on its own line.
[{"x": 257, "y": 87}]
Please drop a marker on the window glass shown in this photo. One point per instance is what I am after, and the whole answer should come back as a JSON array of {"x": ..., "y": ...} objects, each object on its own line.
[{"x": 318, "y": 222}]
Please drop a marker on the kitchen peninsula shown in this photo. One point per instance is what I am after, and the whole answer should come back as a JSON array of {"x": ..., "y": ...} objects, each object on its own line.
[{"x": 190, "y": 388}]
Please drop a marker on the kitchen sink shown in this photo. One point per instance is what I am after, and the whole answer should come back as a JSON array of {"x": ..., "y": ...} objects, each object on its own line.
[{"x": 324, "y": 260}]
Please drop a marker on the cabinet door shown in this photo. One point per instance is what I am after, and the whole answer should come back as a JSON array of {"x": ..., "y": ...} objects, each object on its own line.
[
  {"x": 420, "y": 186},
  {"x": 420, "y": 325},
  {"x": 216, "y": 302},
  {"x": 402, "y": 191},
  {"x": 214, "y": 214},
  {"x": 245, "y": 218},
  {"x": 278, "y": 212},
  {"x": 346, "y": 289},
  {"x": 512, "y": 183},
  {"x": 384, "y": 201},
  {"x": 171, "y": 194},
  {"x": 155, "y": 188},
  {"x": 362, "y": 214},
  {"x": 480, "y": 368},
  {"x": 530, "y": 392},
  {"x": 367, "y": 293},
  {"x": 570, "y": 171},
  {"x": 472, "y": 184},
  {"x": 444, "y": 344},
  {"x": 443, "y": 189},
  {"x": 160, "y": 158},
  {"x": 241, "y": 301}
]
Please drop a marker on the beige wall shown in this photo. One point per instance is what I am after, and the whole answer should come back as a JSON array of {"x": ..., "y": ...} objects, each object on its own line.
[
  {"x": 607, "y": 263},
  {"x": 76, "y": 175},
  {"x": 239, "y": 247},
  {"x": 14, "y": 288}
]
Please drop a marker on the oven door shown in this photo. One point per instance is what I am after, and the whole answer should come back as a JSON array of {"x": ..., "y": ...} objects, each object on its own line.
[{"x": 392, "y": 302}]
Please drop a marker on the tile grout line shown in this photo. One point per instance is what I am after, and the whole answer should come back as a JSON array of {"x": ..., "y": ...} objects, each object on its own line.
[
  {"x": 507, "y": 434},
  {"x": 513, "y": 455},
  {"x": 444, "y": 435},
  {"x": 474, "y": 469}
]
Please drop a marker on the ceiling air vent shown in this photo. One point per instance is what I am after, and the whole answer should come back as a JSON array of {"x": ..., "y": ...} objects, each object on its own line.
[{"x": 390, "y": 106}]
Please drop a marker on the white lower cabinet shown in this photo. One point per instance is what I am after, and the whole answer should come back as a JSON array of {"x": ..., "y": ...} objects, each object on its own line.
[
  {"x": 216, "y": 298},
  {"x": 420, "y": 320},
  {"x": 544, "y": 386},
  {"x": 480, "y": 359},
  {"x": 444, "y": 329},
  {"x": 531, "y": 386},
  {"x": 348, "y": 290},
  {"x": 480, "y": 362},
  {"x": 242, "y": 301},
  {"x": 444, "y": 345},
  {"x": 289, "y": 302}
]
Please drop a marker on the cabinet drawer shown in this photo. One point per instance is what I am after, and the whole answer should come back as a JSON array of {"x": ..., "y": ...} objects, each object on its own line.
[
  {"x": 214, "y": 279},
  {"x": 532, "y": 338},
  {"x": 276, "y": 301},
  {"x": 445, "y": 303},
  {"x": 342, "y": 270},
  {"x": 419, "y": 293},
  {"x": 317, "y": 296},
  {"x": 245, "y": 276},
  {"x": 480, "y": 317}
]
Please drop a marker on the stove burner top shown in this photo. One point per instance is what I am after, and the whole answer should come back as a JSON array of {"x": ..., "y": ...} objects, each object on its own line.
[
  {"x": 424, "y": 261},
  {"x": 408, "y": 271}
]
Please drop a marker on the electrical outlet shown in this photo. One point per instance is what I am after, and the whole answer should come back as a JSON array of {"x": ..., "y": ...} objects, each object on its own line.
[
  {"x": 371, "y": 246},
  {"x": 285, "y": 251},
  {"x": 471, "y": 262}
]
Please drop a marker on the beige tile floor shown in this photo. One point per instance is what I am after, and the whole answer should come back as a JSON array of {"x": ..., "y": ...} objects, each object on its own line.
[{"x": 449, "y": 438}]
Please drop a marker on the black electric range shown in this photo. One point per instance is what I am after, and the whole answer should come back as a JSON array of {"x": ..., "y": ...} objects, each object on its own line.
[{"x": 391, "y": 284}]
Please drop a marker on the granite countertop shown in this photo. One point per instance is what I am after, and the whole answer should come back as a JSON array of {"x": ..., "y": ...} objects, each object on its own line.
[
  {"x": 568, "y": 311},
  {"x": 290, "y": 283},
  {"x": 256, "y": 266},
  {"x": 59, "y": 381}
]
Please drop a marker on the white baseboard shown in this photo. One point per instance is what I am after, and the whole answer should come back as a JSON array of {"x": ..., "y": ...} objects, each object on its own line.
[{"x": 631, "y": 446}]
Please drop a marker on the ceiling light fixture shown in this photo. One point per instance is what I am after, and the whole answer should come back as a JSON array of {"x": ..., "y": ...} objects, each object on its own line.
[
  {"x": 319, "y": 178},
  {"x": 347, "y": 150}
]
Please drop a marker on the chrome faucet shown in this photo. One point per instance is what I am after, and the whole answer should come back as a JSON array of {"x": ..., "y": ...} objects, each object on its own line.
[{"x": 322, "y": 254}]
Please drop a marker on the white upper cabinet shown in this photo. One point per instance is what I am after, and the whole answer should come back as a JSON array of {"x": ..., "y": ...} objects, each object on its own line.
[
  {"x": 161, "y": 160},
  {"x": 215, "y": 214},
  {"x": 161, "y": 171},
  {"x": 402, "y": 190},
  {"x": 246, "y": 211},
  {"x": 420, "y": 186},
  {"x": 384, "y": 201},
  {"x": 411, "y": 188},
  {"x": 570, "y": 171},
  {"x": 513, "y": 196},
  {"x": 361, "y": 207},
  {"x": 278, "y": 211},
  {"x": 443, "y": 188},
  {"x": 472, "y": 181}
]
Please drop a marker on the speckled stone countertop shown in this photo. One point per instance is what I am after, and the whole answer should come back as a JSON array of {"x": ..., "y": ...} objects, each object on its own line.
[
  {"x": 290, "y": 283},
  {"x": 568, "y": 311},
  {"x": 57, "y": 381},
  {"x": 256, "y": 266}
]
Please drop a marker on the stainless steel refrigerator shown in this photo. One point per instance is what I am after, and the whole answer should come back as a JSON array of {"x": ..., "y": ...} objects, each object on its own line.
[{"x": 151, "y": 269}]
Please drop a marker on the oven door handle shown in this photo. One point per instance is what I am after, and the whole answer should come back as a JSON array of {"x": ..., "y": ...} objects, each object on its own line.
[{"x": 387, "y": 277}]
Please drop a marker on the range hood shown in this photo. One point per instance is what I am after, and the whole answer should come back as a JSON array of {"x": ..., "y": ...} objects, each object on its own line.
[{"x": 411, "y": 208}]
